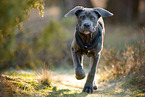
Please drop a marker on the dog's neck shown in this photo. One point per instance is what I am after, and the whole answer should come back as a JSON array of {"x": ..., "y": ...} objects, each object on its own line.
[{"x": 87, "y": 38}]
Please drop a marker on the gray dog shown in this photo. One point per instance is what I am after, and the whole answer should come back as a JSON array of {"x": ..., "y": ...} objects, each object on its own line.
[{"x": 88, "y": 40}]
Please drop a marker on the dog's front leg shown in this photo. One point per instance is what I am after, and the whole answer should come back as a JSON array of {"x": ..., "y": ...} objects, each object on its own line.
[
  {"x": 89, "y": 83},
  {"x": 77, "y": 60}
]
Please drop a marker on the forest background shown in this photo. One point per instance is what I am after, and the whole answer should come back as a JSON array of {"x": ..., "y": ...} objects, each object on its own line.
[{"x": 35, "y": 34}]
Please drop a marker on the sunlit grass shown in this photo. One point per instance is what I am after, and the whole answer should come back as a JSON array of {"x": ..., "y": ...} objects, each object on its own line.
[
  {"x": 25, "y": 82},
  {"x": 63, "y": 84}
]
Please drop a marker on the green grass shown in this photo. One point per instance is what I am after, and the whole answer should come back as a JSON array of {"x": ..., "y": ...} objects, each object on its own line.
[{"x": 63, "y": 84}]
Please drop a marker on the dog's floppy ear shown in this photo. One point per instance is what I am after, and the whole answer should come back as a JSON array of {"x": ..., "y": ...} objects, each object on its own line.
[
  {"x": 102, "y": 12},
  {"x": 74, "y": 11}
]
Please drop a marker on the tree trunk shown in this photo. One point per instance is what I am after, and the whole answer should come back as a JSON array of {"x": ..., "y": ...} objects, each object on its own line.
[
  {"x": 69, "y": 4},
  {"x": 124, "y": 10}
]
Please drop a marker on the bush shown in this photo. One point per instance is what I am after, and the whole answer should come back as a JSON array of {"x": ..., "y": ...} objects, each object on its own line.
[
  {"x": 31, "y": 50},
  {"x": 13, "y": 13},
  {"x": 52, "y": 45},
  {"x": 127, "y": 63}
]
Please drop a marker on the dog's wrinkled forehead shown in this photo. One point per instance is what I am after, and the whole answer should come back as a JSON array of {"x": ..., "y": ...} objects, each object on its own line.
[{"x": 88, "y": 13}]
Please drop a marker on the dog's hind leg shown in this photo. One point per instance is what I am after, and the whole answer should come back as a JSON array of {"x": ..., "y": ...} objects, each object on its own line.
[
  {"x": 77, "y": 60},
  {"x": 89, "y": 83}
]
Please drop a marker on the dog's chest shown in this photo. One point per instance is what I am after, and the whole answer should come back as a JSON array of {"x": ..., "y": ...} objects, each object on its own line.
[{"x": 89, "y": 53}]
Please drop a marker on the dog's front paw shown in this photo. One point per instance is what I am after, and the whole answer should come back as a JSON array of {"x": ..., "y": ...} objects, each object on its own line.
[
  {"x": 88, "y": 88},
  {"x": 80, "y": 74}
]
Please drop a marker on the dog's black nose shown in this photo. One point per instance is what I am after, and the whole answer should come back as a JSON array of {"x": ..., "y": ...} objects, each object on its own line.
[{"x": 86, "y": 25}]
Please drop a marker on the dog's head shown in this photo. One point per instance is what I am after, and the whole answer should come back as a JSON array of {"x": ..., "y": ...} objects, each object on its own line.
[{"x": 88, "y": 17}]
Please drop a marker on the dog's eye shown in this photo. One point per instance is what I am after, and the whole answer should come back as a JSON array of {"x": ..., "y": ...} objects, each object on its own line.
[
  {"x": 82, "y": 17},
  {"x": 92, "y": 18}
]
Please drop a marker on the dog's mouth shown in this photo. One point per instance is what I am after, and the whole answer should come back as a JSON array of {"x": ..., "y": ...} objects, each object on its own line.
[{"x": 87, "y": 32}]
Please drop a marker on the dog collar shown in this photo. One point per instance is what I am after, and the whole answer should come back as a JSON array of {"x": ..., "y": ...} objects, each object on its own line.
[{"x": 88, "y": 46}]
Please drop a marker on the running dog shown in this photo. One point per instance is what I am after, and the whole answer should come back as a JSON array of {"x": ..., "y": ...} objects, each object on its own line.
[{"x": 88, "y": 41}]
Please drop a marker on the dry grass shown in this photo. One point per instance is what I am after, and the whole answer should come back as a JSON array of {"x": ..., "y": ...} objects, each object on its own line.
[
  {"x": 45, "y": 76},
  {"x": 127, "y": 63},
  {"x": 7, "y": 89}
]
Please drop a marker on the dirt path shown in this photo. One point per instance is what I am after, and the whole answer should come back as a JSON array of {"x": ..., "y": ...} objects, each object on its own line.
[
  {"x": 72, "y": 87},
  {"x": 27, "y": 83}
]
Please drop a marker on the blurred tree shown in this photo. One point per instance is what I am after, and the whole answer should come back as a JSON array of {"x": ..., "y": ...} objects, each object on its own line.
[
  {"x": 124, "y": 10},
  {"x": 12, "y": 14}
]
